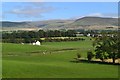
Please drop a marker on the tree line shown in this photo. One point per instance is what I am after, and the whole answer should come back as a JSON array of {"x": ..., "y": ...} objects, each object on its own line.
[{"x": 30, "y": 36}]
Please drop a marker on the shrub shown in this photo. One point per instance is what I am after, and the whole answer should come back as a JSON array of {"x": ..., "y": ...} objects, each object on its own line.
[
  {"x": 78, "y": 55},
  {"x": 90, "y": 55}
]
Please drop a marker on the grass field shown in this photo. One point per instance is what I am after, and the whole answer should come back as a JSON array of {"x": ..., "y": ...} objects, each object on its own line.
[{"x": 28, "y": 61}]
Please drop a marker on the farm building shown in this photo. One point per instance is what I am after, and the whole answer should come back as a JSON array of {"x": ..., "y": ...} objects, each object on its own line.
[{"x": 37, "y": 43}]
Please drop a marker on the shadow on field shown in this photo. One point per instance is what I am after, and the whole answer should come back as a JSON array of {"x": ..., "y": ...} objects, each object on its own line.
[
  {"x": 66, "y": 49},
  {"x": 94, "y": 62}
]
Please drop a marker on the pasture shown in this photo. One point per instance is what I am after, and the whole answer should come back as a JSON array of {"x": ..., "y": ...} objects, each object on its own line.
[{"x": 52, "y": 60}]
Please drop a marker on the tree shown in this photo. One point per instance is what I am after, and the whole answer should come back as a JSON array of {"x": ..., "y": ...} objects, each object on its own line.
[
  {"x": 113, "y": 47},
  {"x": 106, "y": 46},
  {"x": 41, "y": 33}
]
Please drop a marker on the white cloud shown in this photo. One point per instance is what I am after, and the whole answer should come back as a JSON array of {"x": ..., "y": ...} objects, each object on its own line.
[
  {"x": 31, "y": 10},
  {"x": 108, "y": 15},
  {"x": 112, "y": 15},
  {"x": 95, "y": 14}
]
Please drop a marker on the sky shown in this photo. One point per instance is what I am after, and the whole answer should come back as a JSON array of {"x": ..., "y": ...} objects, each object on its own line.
[{"x": 38, "y": 11}]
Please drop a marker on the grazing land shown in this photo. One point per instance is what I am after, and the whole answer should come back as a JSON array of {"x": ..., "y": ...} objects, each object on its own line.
[{"x": 52, "y": 60}]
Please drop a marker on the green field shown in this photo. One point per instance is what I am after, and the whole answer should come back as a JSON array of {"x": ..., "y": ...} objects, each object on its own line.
[{"x": 28, "y": 61}]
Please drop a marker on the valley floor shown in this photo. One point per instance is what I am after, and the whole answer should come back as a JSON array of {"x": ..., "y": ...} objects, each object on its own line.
[{"x": 52, "y": 60}]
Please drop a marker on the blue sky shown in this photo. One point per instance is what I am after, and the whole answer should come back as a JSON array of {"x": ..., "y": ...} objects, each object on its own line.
[{"x": 36, "y": 11}]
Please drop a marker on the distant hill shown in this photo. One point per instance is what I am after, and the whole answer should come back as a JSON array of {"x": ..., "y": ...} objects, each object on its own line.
[
  {"x": 90, "y": 21},
  {"x": 15, "y": 24},
  {"x": 81, "y": 23}
]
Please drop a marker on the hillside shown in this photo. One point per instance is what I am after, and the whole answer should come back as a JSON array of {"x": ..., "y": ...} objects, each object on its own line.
[
  {"x": 81, "y": 23},
  {"x": 90, "y": 21},
  {"x": 95, "y": 23},
  {"x": 15, "y": 24}
]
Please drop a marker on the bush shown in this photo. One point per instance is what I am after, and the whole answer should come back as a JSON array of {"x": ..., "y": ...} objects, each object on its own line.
[
  {"x": 78, "y": 55},
  {"x": 90, "y": 55}
]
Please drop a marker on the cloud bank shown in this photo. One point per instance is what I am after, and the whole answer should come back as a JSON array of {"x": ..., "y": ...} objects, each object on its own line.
[
  {"x": 111, "y": 15},
  {"x": 31, "y": 10}
]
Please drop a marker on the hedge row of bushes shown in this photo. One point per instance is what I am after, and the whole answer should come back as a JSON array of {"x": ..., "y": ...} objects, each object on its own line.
[
  {"x": 18, "y": 40},
  {"x": 65, "y": 39}
]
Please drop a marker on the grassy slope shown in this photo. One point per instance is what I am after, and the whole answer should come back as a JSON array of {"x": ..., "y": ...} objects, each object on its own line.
[{"x": 27, "y": 61}]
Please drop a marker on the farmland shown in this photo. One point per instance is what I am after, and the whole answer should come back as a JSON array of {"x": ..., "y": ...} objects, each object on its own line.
[{"x": 28, "y": 61}]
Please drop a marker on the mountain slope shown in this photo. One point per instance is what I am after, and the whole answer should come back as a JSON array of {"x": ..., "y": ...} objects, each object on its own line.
[
  {"x": 16, "y": 24},
  {"x": 96, "y": 21},
  {"x": 81, "y": 23}
]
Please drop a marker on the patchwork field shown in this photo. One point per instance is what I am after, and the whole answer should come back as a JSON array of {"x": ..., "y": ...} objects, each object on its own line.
[{"x": 52, "y": 60}]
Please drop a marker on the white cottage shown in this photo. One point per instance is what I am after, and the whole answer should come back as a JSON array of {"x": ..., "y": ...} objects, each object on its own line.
[
  {"x": 88, "y": 35},
  {"x": 37, "y": 43}
]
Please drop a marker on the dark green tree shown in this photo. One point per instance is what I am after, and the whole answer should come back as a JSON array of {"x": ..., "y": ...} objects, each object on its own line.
[{"x": 106, "y": 46}]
